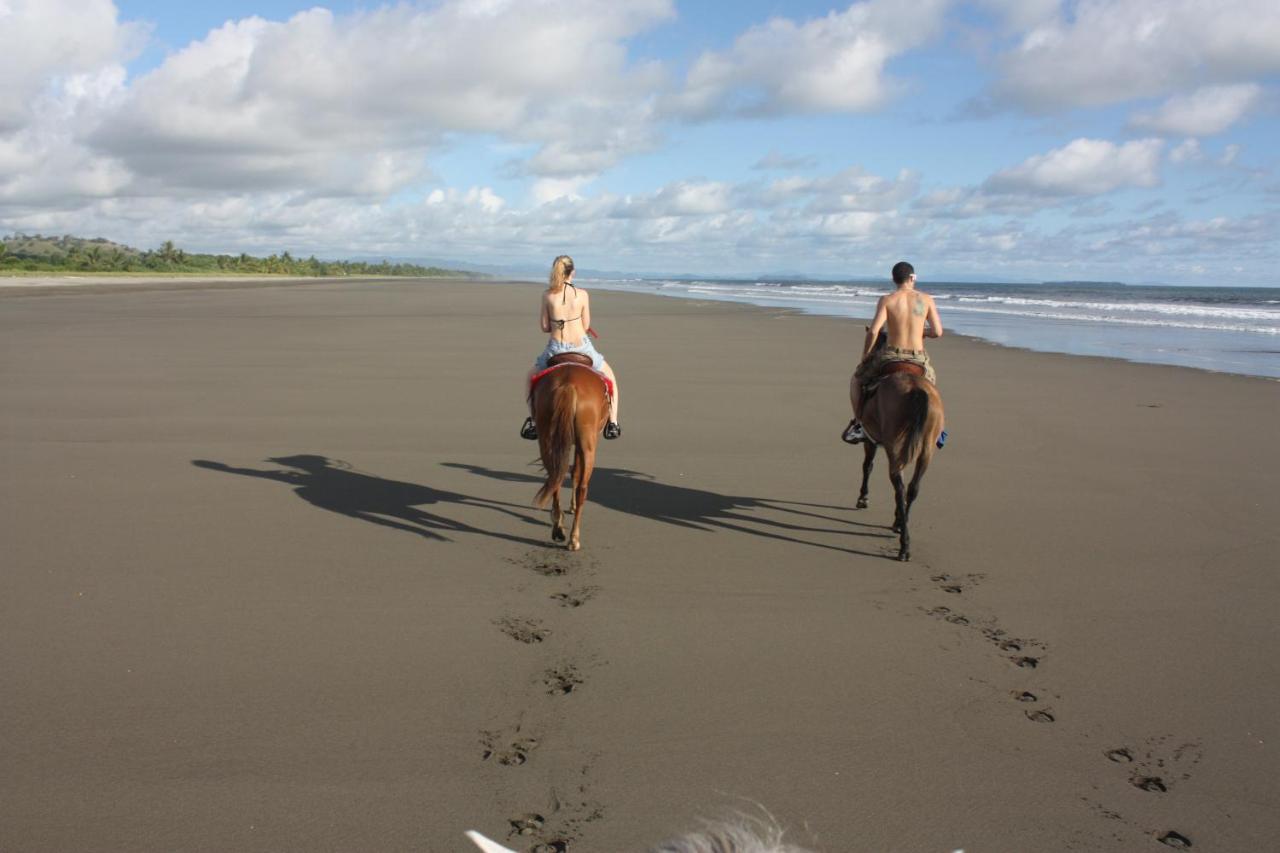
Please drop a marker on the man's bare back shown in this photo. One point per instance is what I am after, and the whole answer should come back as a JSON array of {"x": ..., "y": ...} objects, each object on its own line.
[{"x": 908, "y": 316}]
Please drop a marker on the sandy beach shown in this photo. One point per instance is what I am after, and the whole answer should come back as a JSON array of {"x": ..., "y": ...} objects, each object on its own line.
[{"x": 271, "y": 581}]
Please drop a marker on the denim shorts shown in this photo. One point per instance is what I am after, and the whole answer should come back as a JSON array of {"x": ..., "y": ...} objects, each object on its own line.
[{"x": 555, "y": 347}]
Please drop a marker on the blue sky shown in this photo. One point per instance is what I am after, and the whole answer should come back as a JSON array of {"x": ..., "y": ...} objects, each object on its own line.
[{"x": 1017, "y": 139}]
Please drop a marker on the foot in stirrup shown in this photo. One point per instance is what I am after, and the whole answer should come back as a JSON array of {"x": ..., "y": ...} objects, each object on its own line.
[
  {"x": 853, "y": 433},
  {"x": 942, "y": 439},
  {"x": 612, "y": 430},
  {"x": 529, "y": 431}
]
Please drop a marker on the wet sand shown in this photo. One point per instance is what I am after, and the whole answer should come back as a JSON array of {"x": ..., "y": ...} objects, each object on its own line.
[{"x": 271, "y": 582}]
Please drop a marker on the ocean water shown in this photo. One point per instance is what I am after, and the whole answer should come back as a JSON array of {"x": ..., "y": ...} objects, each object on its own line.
[{"x": 1225, "y": 329}]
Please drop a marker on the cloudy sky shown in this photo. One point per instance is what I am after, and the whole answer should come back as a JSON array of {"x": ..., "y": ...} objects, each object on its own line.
[{"x": 1026, "y": 139}]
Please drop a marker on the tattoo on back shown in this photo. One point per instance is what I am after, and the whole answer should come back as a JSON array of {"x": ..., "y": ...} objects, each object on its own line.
[{"x": 918, "y": 307}]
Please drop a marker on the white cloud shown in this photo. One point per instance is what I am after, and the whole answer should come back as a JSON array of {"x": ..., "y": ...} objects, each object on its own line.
[
  {"x": 853, "y": 189},
  {"x": 1110, "y": 51},
  {"x": 550, "y": 189},
  {"x": 1083, "y": 167},
  {"x": 1187, "y": 151},
  {"x": 834, "y": 63},
  {"x": 1207, "y": 111},
  {"x": 43, "y": 42},
  {"x": 352, "y": 104}
]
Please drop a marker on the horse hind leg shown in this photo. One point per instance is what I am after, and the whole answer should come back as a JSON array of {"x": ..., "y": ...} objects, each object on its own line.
[
  {"x": 583, "y": 465},
  {"x": 900, "y": 516},
  {"x": 557, "y": 518},
  {"x": 913, "y": 488},
  {"x": 868, "y": 462}
]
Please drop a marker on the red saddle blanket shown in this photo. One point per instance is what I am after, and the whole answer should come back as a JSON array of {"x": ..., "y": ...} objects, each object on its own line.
[{"x": 537, "y": 377}]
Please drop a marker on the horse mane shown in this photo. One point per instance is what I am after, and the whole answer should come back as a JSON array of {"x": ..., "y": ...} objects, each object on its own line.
[{"x": 754, "y": 836}]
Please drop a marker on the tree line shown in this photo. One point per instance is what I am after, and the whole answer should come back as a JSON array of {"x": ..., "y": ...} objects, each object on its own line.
[{"x": 37, "y": 253}]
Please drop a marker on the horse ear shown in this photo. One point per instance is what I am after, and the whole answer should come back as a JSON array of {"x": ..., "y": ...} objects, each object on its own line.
[{"x": 486, "y": 845}]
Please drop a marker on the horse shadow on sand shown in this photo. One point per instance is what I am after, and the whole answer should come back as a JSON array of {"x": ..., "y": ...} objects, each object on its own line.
[
  {"x": 336, "y": 486},
  {"x": 643, "y": 495}
]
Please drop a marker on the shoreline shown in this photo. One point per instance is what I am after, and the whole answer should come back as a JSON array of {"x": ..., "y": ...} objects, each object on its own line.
[
  {"x": 62, "y": 285},
  {"x": 274, "y": 582},
  {"x": 1206, "y": 349}
]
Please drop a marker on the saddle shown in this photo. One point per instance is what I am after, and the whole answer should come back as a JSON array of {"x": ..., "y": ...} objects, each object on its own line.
[
  {"x": 872, "y": 384},
  {"x": 569, "y": 358},
  {"x": 900, "y": 367},
  {"x": 566, "y": 359}
]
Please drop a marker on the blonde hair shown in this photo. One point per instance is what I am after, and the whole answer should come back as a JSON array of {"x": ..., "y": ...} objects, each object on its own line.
[{"x": 561, "y": 269}]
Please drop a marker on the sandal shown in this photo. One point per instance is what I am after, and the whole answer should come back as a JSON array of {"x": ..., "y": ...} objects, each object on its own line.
[
  {"x": 612, "y": 430},
  {"x": 853, "y": 433}
]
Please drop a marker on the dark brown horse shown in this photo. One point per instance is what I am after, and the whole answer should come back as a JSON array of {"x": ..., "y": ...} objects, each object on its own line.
[
  {"x": 905, "y": 415},
  {"x": 570, "y": 408}
]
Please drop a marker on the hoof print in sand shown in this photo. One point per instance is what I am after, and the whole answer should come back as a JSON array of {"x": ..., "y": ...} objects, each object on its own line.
[
  {"x": 957, "y": 619},
  {"x": 1024, "y": 696},
  {"x": 555, "y": 845},
  {"x": 956, "y": 585},
  {"x": 1025, "y": 662},
  {"x": 562, "y": 680},
  {"x": 523, "y": 630},
  {"x": 1120, "y": 756},
  {"x": 575, "y": 598},
  {"x": 526, "y": 824},
  {"x": 1154, "y": 784},
  {"x": 511, "y": 754},
  {"x": 1039, "y": 716},
  {"x": 1176, "y": 840},
  {"x": 548, "y": 567}
]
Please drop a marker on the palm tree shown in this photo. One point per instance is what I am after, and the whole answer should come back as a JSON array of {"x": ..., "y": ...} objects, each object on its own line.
[{"x": 168, "y": 253}]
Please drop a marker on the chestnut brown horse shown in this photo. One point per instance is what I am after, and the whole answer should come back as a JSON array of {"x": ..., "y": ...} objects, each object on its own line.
[
  {"x": 570, "y": 408},
  {"x": 905, "y": 415}
]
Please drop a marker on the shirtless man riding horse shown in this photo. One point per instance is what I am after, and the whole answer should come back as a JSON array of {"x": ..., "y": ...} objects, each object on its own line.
[{"x": 908, "y": 317}]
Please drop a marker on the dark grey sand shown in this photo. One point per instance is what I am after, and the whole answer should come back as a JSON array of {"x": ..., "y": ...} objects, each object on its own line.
[{"x": 270, "y": 582}]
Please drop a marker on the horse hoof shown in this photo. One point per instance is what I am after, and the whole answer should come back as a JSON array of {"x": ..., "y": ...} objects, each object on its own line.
[
  {"x": 557, "y": 536},
  {"x": 862, "y": 503},
  {"x": 904, "y": 556},
  {"x": 574, "y": 546},
  {"x": 897, "y": 528}
]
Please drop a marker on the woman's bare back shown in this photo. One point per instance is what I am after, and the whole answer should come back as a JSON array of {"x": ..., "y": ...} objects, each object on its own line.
[{"x": 566, "y": 315}]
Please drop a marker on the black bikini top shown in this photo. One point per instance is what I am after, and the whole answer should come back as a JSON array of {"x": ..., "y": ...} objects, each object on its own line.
[{"x": 559, "y": 324}]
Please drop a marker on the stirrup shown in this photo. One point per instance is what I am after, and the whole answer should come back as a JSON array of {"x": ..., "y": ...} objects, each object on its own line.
[
  {"x": 853, "y": 433},
  {"x": 612, "y": 430},
  {"x": 529, "y": 430}
]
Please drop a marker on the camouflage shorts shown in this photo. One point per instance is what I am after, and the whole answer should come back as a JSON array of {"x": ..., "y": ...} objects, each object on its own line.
[{"x": 870, "y": 368}]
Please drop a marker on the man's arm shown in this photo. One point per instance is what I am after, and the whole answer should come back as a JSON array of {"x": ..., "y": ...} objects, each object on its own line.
[
  {"x": 882, "y": 316},
  {"x": 933, "y": 327}
]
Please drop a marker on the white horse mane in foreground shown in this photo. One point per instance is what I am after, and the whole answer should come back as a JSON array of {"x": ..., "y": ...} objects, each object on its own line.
[{"x": 718, "y": 838}]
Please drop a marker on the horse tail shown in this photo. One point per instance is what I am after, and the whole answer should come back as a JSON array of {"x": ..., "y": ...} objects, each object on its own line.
[
  {"x": 915, "y": 423},
  {"x": 557, "y": 440}
]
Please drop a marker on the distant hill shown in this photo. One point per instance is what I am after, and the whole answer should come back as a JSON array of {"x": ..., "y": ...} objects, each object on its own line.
[{"x": 40, "y": 253}]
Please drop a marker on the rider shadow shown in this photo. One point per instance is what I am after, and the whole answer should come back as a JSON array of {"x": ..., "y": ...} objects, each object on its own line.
[
  {"x": 334, "y": 486},
  {"x": 697, "y": 509}
]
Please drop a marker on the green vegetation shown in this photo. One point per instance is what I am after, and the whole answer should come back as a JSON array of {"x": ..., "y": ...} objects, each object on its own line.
[{"x": 24, "y": 253}]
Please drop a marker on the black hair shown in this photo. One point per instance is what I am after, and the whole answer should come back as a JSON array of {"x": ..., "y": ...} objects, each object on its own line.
[{"x": 902, "y": 271}]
